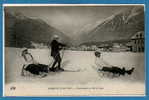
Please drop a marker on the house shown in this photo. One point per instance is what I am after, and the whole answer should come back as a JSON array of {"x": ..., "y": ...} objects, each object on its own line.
[{"x": 136, "y": 43}]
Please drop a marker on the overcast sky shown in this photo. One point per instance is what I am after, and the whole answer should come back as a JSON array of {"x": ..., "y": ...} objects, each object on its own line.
[{"x": 69, "y": 19}]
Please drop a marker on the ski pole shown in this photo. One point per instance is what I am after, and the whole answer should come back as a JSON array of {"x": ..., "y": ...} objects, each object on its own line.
[{"x": 62, "y": 53}]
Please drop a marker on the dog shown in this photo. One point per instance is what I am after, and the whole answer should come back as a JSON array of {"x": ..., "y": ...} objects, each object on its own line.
[
  {"x": 116, "y": 70},
  {"x": 35, "y": 69}
]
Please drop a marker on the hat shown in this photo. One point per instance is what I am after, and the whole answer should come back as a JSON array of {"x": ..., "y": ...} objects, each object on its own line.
[
  {"x": 55, "y": 37},
  {"x": 24, "y": 51},
  {"x": 97, "y": 53}
]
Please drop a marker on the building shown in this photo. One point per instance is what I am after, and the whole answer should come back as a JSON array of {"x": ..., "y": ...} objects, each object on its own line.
[
  {"x": 117, "y": 47},
  {"x": 106, "y": 46},
  {"x": 137, "y": 42}
]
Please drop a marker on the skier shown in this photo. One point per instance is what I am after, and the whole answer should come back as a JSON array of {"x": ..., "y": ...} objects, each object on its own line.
[{"x": 56, "y": 46}]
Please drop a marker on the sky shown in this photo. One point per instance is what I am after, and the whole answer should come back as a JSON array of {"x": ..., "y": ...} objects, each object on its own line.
[{"x": 68, "y": 19}]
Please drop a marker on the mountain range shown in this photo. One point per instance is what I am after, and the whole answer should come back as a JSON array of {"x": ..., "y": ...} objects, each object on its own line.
[
  {"x": 119, "y": 26},
  {"x": 20, "y": 31}
]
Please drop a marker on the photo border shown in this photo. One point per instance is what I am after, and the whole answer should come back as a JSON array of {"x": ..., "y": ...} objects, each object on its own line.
[{"x": 146, "y": 2}]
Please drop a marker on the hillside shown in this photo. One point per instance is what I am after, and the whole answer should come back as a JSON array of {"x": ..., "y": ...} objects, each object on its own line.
[
  {"x": 119, "y": 26},
  {"x": 20, "y": 31}
]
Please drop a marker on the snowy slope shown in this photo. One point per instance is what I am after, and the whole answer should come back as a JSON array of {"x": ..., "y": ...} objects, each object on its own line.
[
  {"x": 121, "y": 25},
  {"x": 74, "y": 60}
]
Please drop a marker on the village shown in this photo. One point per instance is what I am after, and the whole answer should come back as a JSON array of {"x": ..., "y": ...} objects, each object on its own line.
[{"x": 134, "y": 44}]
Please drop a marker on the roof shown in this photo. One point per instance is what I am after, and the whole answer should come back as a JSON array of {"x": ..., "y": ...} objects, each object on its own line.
[{"x": 134, "y": 35}]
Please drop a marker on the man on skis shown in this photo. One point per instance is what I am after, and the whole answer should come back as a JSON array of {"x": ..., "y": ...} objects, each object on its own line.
[{"x": 56, "y": 46}]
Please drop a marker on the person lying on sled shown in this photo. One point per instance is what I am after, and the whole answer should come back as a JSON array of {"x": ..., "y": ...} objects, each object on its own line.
[
  {"x": 56, "y": 46},
  {"x": 33, "y": 66},
  {"x": 104, "y": 66}
]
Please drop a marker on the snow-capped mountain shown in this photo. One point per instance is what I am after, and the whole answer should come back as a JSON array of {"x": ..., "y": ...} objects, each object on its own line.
[{"x": 118, "y": 26}]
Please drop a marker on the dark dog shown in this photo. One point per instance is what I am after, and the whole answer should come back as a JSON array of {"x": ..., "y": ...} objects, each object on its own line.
[
  {"x": 35, "y": 69},
  {"x": 117, "y": 70}
]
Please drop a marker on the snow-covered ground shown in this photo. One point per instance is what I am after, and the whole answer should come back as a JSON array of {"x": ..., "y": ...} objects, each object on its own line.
[{"x": 86, "y": 82}]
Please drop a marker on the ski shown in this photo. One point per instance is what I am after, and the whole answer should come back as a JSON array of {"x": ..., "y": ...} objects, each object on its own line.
[{"x": 67, "y": 70}]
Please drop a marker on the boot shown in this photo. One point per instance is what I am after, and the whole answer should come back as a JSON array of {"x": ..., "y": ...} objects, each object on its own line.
[
  {"x": 52, "y": 69},
  {"x": 60, "y": 69}
]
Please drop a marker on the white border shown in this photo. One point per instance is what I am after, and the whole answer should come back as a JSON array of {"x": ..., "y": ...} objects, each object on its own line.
[
  {"x": 71, "y": 5},
  {"x": 3, "y": 50},
  {"x": 44, "y": 5}
]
